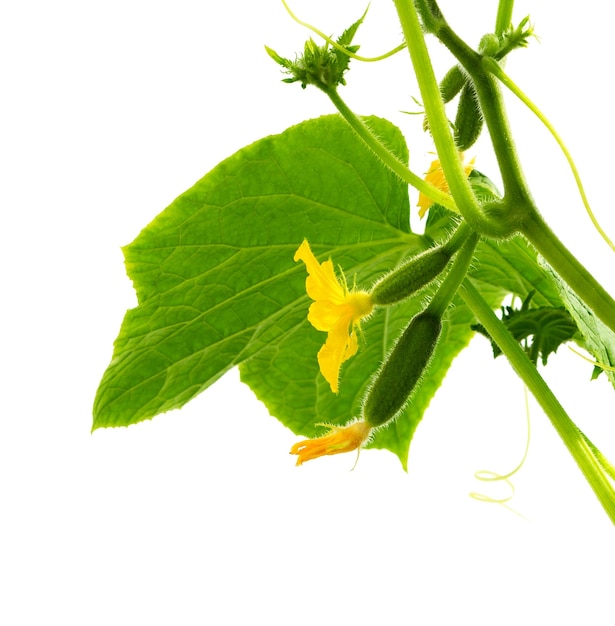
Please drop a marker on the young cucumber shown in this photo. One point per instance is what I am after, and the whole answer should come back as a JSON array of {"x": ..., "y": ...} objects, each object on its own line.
[{"x": 402, "y": 369}]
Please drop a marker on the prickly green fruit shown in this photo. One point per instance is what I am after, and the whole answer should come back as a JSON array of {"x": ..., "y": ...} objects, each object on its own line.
[
  {"x": 469, "y": 120},
  {"x": 452, "y": 83},
  {"x": 402, "y": 369},
  {"x": 450, "y": 86},
  {"x": 410, "y": 276}
]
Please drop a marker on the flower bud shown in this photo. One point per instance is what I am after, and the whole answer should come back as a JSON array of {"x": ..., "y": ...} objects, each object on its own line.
[
  {"x": 469, "y": 119},
  {"x": 402, "y": 369},
  {"x": 489, "y": 45},
  {"x": 410, "y": 276}
]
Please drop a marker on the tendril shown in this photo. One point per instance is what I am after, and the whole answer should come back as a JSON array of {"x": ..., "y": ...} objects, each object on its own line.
[
  {"x": 498, "y": 72},
  {"x": 594, "y": 362},
  {"x": 337, "y": 46},
  {"x": 490, "y": 476}
]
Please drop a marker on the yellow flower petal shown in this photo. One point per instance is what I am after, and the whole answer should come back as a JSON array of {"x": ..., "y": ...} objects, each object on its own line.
[
  {"x": 321, "y": 283},
  {"x": 339, "y": 347},
  {"x": 435, "y": 176},
  {"x": 335, "y": 310},
  {"x": 339, "y": 439}
]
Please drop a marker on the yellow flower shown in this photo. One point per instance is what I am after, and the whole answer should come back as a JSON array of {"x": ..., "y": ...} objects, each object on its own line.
[
  {"x": 339, "y": 439},
  {"x": 435, "y": 176},
  {"x": 335, "y": 310}
]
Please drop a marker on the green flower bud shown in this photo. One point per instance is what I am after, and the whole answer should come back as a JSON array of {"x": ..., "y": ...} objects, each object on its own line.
[
  {"x": 469, "y": 120},
  {"x": 323, "y": 66},
  {"x": 489, "y": 45},
  {"x": 402, "y": 369},
  {"x": 411, "y": 276}
]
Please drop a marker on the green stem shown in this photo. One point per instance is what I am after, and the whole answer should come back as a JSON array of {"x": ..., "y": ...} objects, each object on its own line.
[
  {"x": 565, "y": 427},
  {"x": 385, "y": 155},
  {"x": 449, "y": 286},
  {"x": 516, "y": 193},
  {"x": 504, "y": 16},
  {"x": 522, "y": 212},
  {"x": 570, "y": 270},
  {"x": 458, "y": 238},
  {"x": 438, "y": 122}
]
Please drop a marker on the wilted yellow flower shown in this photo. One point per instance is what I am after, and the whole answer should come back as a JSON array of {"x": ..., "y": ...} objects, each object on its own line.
[
  {"x": 435, "y": 176},
  {"x": 335, "y": 310},
  {"x": 339, "y": 439}
]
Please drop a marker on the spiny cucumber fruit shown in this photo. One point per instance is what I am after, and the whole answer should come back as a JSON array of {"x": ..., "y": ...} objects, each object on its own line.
[
  {"x": 410, "y": 276},
  {"x": 469, "y": 119},
  {"x": 402, "y": 369}
]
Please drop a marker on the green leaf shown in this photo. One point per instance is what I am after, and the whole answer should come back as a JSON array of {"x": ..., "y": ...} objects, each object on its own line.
[
  {"x": 345, "y": 39},
  {"x": 549, "y": 327},
  {"x": 214, "y": 272},
  {"x": 599, "y": 340}
]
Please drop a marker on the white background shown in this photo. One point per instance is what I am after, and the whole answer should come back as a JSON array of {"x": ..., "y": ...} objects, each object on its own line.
[{"x": 112, "y": 109}]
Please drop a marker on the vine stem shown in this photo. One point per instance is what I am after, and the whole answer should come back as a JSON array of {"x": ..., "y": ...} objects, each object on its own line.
[
  {"x": 504, "y": 16},
  {"x": 438, "y": 122},
  {"x": 516, "y": 192},
  {"x": 449, "y": 286},
  {"x": 576, "y": 444},
  {"x": 385, "y": 155},
  {"x": 521, "y": 210},
  {"x": 569, "y": 268}
]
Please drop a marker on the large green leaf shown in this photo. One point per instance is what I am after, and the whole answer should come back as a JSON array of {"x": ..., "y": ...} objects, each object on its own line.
[
  {"x": 214, "y": 272},
  {"x": 217, "y": 285}
]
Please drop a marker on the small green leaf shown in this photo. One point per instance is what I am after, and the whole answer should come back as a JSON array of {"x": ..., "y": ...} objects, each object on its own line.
[
  {"x": 323, "y": 66},
  {"x": 598, "y": 339},
  {"x": 549, "y": 327},
  {"x": 345, "y": 39}
]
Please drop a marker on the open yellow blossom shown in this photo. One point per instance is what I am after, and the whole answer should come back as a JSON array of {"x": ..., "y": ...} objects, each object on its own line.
[
  {"x": 339, "y": 439},
  {"x": 335, "y": 310},
  {"x": 435, "y": 176}
]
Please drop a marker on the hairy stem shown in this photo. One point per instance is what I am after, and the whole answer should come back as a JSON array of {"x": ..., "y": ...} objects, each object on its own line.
[
  {"x": 516, "y": 193},
  {"x": 386, "y": 156},
  {"x": 449, "y": 286},
  {"x": 438, "y": 122}
]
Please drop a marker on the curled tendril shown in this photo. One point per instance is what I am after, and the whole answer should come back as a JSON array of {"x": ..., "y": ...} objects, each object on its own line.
[
  {"x": 493, "y": 67},
  {"x": 337, "y": 46},
  {"x": 490, "y": 476}
]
